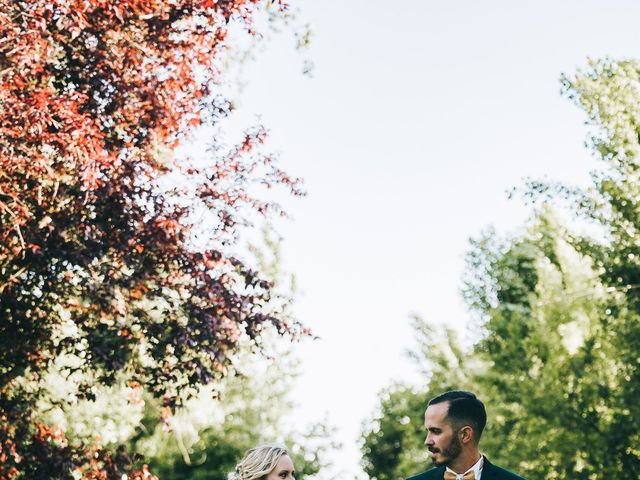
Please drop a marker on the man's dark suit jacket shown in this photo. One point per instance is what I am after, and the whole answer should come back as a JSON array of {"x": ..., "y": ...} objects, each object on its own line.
[{"x": 489, "y": 472}]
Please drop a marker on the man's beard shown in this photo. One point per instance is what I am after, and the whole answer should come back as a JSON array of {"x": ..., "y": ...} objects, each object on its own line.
[{"x": 449, "y": 453}]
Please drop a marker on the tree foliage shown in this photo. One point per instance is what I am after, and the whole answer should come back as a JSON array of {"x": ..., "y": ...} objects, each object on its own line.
[
  {"x": 392, "y": 441},
  {"x": 556, "y": 358},
  {"x": 392, "y": 446},
  {"x": 210, "y": 433},
  {"x": 207, "y": 438},
  {"x": 547, "y": 359},
  {"x": 97, "y": 255}
]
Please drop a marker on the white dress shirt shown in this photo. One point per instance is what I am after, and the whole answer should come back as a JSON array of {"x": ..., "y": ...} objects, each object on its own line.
[{"x": 477, "y": 470}]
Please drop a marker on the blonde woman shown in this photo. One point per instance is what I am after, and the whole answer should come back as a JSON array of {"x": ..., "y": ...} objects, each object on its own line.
[{"x": 265, "y": 462}]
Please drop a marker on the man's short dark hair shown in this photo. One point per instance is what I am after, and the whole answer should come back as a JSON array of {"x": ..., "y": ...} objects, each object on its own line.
[{"x": 464, "y": 409}]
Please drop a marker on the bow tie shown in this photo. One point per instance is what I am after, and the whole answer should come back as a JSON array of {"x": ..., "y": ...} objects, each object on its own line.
[{"x": 467, "y": 476}]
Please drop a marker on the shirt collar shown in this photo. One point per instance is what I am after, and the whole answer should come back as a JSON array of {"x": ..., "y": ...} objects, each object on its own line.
[{"x": 477, "y": 469}]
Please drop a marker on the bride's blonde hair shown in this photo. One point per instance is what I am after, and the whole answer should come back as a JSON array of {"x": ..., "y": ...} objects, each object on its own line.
[{"x": 258, "y": 462}]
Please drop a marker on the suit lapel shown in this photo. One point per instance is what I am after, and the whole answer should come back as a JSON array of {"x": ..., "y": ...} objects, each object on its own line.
[{"x": 488, "y": 470}]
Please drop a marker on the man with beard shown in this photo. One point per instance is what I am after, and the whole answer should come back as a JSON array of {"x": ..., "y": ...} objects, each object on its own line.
[{"x": 454, "y": 422}]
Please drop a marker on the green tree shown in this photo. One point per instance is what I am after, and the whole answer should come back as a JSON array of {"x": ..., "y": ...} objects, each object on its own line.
[
  {"x": 211, "y": 432},
  {"x": 392, "y": 441},
  {"x": 536, "y": 362},
  {"x": 391, "y": 446},
  {"x": 207, "y": 438},
  {"x": 546, "y": 364}
]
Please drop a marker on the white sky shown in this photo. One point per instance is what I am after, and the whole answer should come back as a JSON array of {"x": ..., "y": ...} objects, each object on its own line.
[{"x": 419, "y": 117}]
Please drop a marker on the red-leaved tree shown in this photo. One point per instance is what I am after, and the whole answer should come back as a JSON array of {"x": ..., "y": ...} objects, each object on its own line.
[{"x": 97, "y": 258}]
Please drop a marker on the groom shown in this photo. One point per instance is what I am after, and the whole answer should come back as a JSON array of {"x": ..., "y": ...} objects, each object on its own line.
[{"x": 454, "y": 422}]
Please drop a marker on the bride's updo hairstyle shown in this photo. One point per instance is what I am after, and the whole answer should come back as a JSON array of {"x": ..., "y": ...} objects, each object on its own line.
[{"x": 258, "y": 462}]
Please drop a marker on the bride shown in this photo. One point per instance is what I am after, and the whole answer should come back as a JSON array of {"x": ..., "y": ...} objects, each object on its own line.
[{"x": 264, "y": 462}]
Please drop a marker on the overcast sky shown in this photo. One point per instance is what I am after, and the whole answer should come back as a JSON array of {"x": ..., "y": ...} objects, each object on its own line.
[{"x": 419, "y": 117}]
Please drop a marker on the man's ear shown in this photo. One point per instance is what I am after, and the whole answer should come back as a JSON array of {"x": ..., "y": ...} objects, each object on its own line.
[{"x": 465, "y": 434}]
